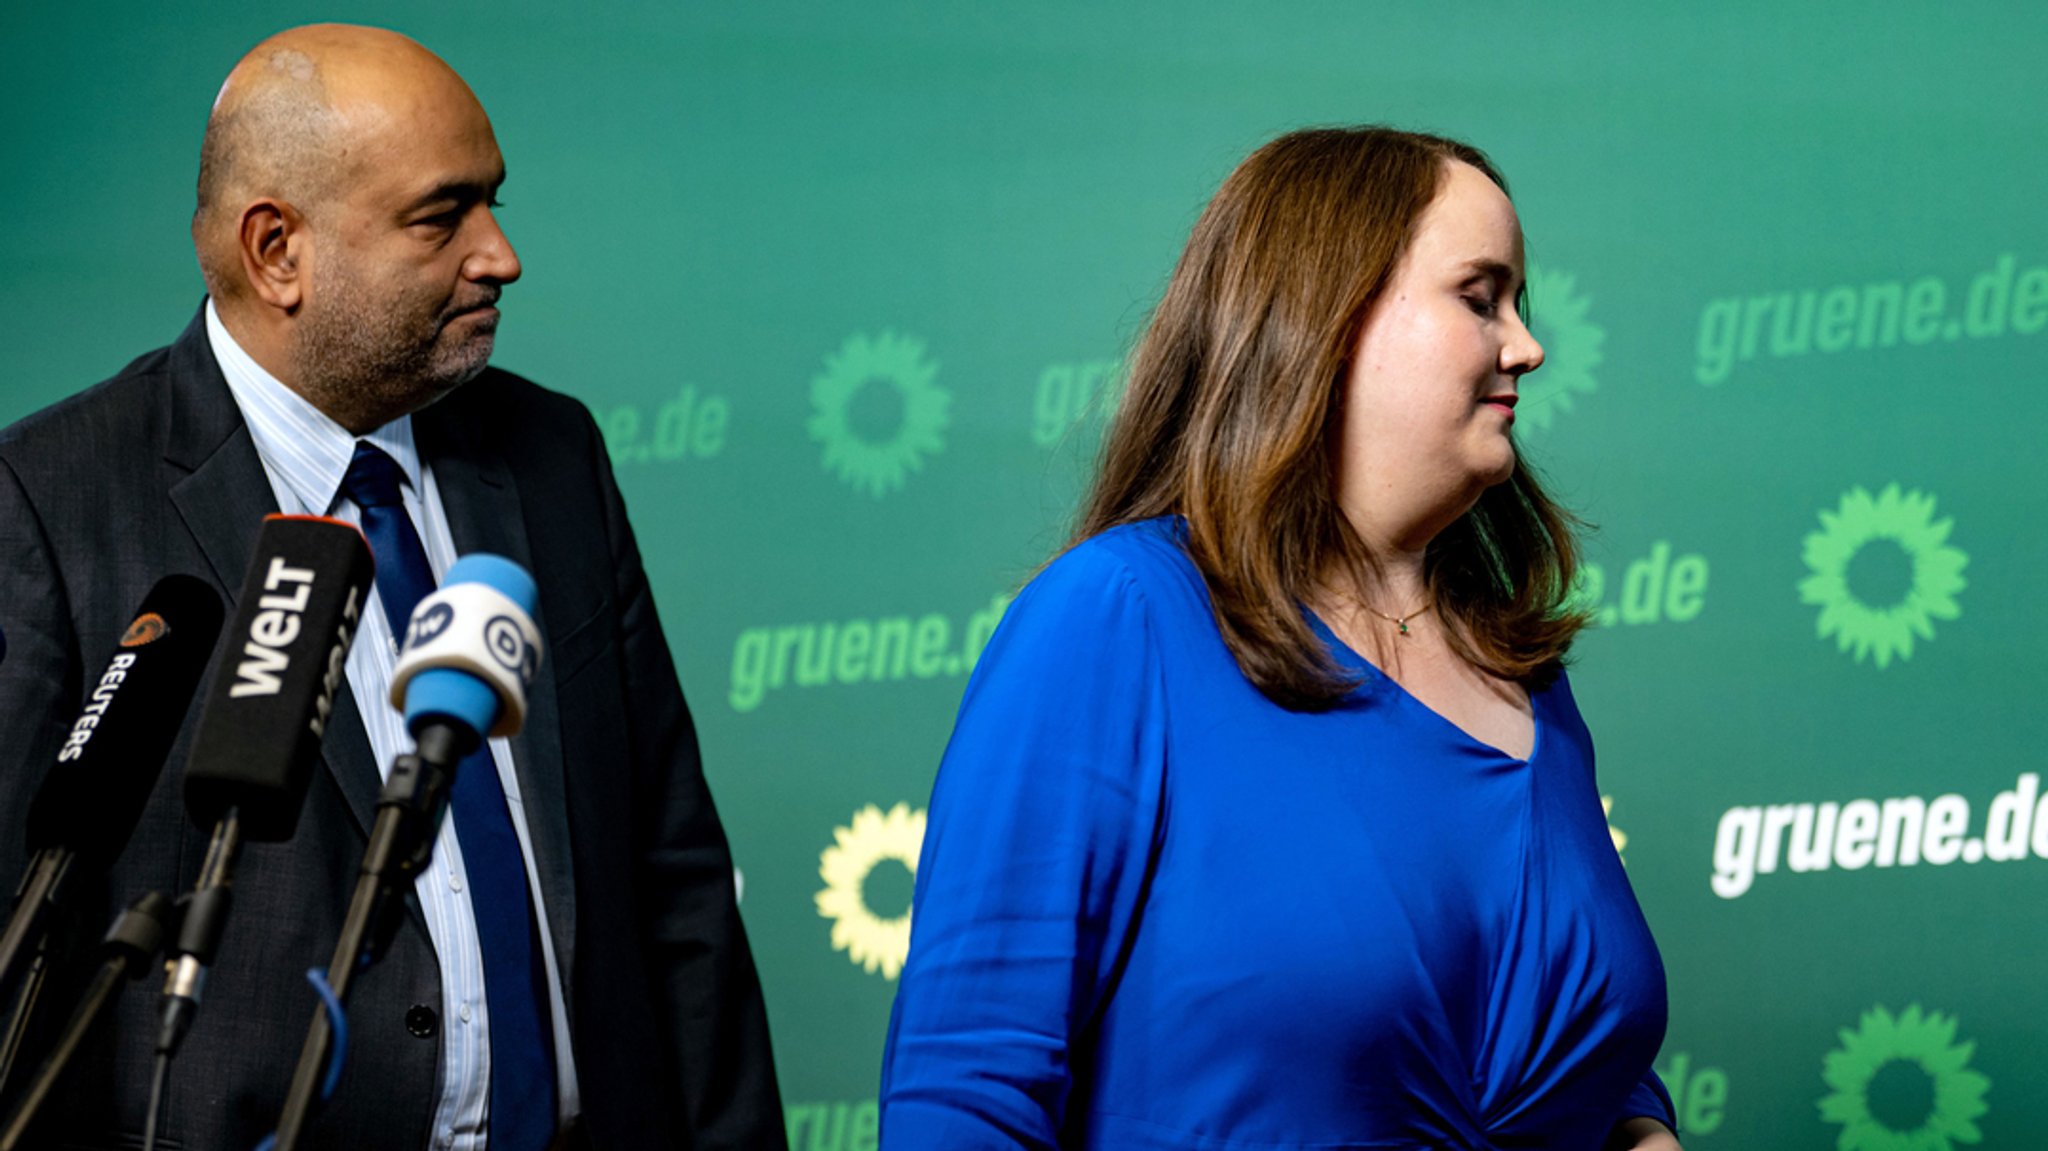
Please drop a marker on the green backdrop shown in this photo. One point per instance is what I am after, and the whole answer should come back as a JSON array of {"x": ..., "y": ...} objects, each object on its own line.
[{"x": 847, "y": 285}]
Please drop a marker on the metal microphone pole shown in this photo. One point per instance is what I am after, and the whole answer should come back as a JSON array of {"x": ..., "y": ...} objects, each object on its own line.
[
  {"x": 24, "y": 1010},
  {"x": 31, "y": 906},
  {"x": 206, "y": 919},
  {"x": 131, "y": 946}
]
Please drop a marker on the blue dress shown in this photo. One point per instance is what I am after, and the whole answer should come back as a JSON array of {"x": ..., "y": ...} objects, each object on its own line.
[{"x": 1154, "y": 910}]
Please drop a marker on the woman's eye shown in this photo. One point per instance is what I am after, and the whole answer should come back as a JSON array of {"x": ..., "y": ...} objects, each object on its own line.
[{"x": 1482, "y": 305}]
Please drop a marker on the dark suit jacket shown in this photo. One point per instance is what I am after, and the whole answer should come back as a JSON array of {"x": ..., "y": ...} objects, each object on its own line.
[{"x": 153, "y": 472}]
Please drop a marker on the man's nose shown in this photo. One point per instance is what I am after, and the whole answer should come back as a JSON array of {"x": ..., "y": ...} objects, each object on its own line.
[{"x": 493, "y": 260}]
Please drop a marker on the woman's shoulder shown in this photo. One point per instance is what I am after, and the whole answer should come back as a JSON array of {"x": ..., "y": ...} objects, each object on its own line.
[
  {"x": 1143, "y": 548},
  {"x": 1145, "y": 558},
  {"x": 1092, "y": 620}
]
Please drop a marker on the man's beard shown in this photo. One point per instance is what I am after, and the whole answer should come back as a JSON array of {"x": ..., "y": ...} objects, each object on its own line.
[{"x": 376, "y": 352}]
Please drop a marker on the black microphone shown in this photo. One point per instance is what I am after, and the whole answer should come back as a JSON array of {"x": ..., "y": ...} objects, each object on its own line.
[
  {"x": 88, "y": 805},
  {"x": 260, "y": 730},
  {"x": 267, "y": 708}
]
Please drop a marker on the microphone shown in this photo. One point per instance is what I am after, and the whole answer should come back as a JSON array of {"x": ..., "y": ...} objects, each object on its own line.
[
  {"x": 268, "y": 706},
  {"x": 470, "y": 650},
  {"x": 88, "y": 805},
  {"x": 261, "y": 726}
]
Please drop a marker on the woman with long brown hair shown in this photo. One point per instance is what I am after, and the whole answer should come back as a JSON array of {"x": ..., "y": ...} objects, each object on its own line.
[{"x": 1269, "y": 820}]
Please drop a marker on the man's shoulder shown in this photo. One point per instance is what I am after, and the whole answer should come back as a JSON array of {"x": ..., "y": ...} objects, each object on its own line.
[
  {"x": 119, "y": 414},
  {"x": 499, "y": 387},
  {"x": 508, "y": 401}
]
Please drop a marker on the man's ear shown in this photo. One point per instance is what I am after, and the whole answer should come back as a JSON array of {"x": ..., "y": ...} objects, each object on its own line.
[{"x": 275, "y": 246}]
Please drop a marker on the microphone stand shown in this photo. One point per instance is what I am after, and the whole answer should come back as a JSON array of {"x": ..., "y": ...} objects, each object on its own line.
[
  {"x": 130, "y": 948},
  {"x": 24, "y": 1010},
  {"x": 409, "y": 812},
  {"x": 206, "y": 919},
  {"x": 34, "y": 902}
]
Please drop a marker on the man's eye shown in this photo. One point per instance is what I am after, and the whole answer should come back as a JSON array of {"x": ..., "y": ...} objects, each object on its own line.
[{"x": 447, "y": 219}]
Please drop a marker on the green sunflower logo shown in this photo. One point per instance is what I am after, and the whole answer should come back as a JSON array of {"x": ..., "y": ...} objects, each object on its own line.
[
  {"x": 875, "y": 942},
  {"x": 877, "y": 411},
  {"x": 1571, "y": 347},
  {"x": 1881, "y": 622},
  {"x": 1903, "y": 1084}
]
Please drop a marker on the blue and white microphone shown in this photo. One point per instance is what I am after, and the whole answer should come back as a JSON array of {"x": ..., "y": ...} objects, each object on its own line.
[{"x": 471, "y": 649}]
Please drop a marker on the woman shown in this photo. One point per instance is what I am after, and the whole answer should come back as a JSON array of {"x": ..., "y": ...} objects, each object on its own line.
[{"x": 1269, "y": 821}]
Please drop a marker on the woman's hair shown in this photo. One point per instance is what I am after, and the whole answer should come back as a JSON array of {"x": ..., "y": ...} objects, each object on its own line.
[{"x": 1234, "y": 393}]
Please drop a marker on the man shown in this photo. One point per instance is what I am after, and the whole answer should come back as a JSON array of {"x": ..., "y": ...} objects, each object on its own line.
[{"x": 600, "y": 991}]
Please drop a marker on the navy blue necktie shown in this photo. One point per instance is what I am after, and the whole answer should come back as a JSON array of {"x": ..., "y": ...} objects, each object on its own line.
[{"x": 522, "y": 1058}]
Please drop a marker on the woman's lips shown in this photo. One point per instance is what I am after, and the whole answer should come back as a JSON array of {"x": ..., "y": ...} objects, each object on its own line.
[{"x": 1505, "y": 403}]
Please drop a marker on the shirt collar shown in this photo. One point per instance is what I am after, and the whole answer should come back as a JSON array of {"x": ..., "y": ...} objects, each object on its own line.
[{"x": 297, "y": 442}]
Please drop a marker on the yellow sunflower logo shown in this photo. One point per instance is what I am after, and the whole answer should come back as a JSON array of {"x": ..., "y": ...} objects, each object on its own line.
[
  {"x": 1903, "y": 1084},
  {"x": 878, "y": 463},
  {"x": 1571, "y": 347},
  {"x": 873, "y": 942},
  {"x": 1883, "y": 629},
  {"x": 1614, "y": 833}
]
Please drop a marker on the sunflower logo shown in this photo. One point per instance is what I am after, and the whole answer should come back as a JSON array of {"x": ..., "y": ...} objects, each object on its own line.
[
  {"x": 867, "y": 938},
  {"x": 1903, "y": 1084},
  {"x": 1614, "y": 833},
  {"x": 1571, "y": 348},
  {"x": 878, "y": 463},
  {"x": 1882, "y": 630}
]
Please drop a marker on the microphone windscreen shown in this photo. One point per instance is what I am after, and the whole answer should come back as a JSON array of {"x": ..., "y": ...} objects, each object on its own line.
[
  {"x": 470, "y": 650},
  {"x": 499, "y": 573},
  {"x": 287, "y": 651},
  {"x": 94, "y": 794}
]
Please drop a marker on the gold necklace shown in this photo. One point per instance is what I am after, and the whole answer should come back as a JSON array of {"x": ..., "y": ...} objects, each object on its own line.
[{"x": 1398, "y": 621}]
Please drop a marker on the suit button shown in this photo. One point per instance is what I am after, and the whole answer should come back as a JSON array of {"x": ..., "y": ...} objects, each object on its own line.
[{"x": 421, "y": 1021}]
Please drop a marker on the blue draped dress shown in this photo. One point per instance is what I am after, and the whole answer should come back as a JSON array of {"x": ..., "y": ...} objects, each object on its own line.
[{"x": 1156, "y": 911}]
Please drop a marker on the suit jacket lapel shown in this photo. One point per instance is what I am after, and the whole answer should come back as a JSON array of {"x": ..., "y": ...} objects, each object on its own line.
[
  {"x": 485, "y": 513},
  {"x": 222, "y": 497}
]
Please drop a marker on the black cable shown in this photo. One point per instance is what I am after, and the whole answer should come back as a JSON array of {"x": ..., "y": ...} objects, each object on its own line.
[{"x": 156, "y": 1099}]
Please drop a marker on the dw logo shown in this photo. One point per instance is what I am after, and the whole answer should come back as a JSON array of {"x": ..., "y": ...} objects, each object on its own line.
[
  {"x": 508, "y": 646},
  {"x": 428, "y": 625}
]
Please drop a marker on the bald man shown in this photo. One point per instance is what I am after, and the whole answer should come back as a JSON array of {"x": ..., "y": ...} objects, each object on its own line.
[{"x": 572, "y": 969}]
